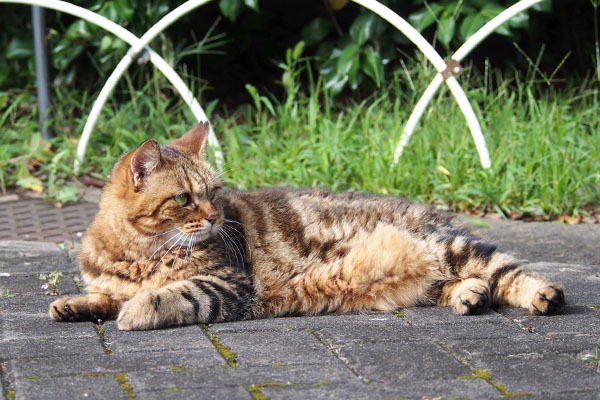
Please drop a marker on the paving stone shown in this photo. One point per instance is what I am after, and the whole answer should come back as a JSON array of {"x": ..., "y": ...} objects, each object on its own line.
[
  {"x": 232, "y": 393},
  {"x": 314, "y": 323},
  {"x": 536, "y": 344},
  {"x": 400, "y": 362},
  {"x": 84, "y": 363},
  {"x": 574, "y": 320},
  {"x": 15, "y": 248},
  {"x": 539, "y": 373},
  {"x": 277, "y": 348},
  {"x": 235, "y": 377},
  {"x": 69, "y": 388},
  {"x": 31, "y": 348},
  {"x": 29, "y": 284},
  {"x": 190, "y": 337},
  {"x": 443, "y": 389},
  {"x": 17, "y": 326}
]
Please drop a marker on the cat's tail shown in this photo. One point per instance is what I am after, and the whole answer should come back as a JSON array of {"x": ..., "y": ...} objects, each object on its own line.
[{"x": 481, "y": 275}]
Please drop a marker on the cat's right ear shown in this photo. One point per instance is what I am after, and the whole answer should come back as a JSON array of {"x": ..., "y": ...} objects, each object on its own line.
[{"x": 144, "y": 160}]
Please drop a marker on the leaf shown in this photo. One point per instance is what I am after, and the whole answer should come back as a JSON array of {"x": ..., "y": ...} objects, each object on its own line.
[
  {"x": 31, "y": 183},
  {"x": 566, "y": 219},
  {"x": 335, "y": 83},
  {"x": 316, "y": 30},
  {"x": 19, "y": 48},
  {"x": 231, "y": 8},
  {"x": 348, "y": 56},
  {"x": 79, "y": 30},
  {"x": 298, "y": 50},
  {"x": 446, "y": 28},
  {"x": 373, "y": 66},
  {"x": 366, "y": 26},
  {"x": 421, "y": 19},
  {"x": 253, "y": 4},
  {"x": 124, "y": 10},
  {"x": 443, "y": 170},
  {"x": 470, "y": 25},
  {"x": 543, "y": 6},
  {"x": 354, "y": 78},
  {"x": 521, "y": 20}
]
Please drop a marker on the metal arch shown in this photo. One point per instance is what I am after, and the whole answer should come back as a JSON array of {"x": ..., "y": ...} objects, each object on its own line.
[
  {"x": 461, "y": 53},
  {"x": 133, "y": 40},
  {"x": 439, "y": 64}
]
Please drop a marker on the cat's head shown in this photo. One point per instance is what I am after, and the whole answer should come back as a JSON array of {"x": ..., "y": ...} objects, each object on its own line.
[{"x": 165, "y": 193}]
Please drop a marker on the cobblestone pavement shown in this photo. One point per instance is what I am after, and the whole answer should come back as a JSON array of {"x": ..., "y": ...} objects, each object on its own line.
[{"x": 413, "y": 353}]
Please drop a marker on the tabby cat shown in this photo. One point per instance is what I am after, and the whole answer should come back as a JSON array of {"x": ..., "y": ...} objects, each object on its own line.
[{"x": 169, "y": 247}]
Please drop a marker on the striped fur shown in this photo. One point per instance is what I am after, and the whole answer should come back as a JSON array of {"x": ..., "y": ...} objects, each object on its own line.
[{"x": 152, "y": 262}]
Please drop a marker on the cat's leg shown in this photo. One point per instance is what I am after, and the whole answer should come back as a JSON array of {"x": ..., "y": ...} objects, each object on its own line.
[
  {"x": 511, "y": 285},
  {"x": 468, "y": 296},
  {"x": 467, "y": 258},
  {"x": 88, "y": 307},
  {"x": 202, "y": 299}
]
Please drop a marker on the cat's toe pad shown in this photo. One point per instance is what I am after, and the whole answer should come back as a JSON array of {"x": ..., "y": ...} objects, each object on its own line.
[
  {"x": 548, "y": 300},
  {"x": 472, "y": 300}
]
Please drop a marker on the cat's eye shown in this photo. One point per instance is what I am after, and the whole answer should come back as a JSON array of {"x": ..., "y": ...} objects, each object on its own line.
[
  {"x": 182, "y": 199},
  {"x": 213, "y": 193}
]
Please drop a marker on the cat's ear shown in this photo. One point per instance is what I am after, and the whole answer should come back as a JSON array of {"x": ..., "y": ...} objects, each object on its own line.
[
  {"x": 144, "y": 160},
  {"x": 195, "y": 140}
]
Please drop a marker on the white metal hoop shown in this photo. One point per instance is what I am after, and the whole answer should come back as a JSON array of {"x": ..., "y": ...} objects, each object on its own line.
[
  {"x": 130, "y": 38},
  {"x": 461, "y": 53}
]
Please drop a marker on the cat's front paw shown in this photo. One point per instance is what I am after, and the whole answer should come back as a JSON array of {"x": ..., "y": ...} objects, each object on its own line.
[
  {"x": 548, "y": 300},
  {"x": 61, "y": 310},
  {"x": 139, "y": 313}
]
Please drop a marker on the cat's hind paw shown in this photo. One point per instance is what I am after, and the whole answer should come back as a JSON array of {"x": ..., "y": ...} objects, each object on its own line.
[
  {"x": 472, "y": 300},
  {"x": 547, "y": 301}
]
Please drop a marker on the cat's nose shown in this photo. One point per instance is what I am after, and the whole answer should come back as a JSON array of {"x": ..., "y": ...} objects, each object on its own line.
[{"x": 212, "y": 218}]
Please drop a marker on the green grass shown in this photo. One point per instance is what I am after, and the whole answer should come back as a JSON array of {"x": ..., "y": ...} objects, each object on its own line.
[{"x": 543, "y": 141}]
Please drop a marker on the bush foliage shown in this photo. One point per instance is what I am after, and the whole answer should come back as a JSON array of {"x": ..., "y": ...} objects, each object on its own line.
[{"x": 239, "y": 39}]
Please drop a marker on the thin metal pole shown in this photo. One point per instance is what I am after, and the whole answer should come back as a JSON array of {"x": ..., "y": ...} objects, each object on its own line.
[{"x": 41, "y": 68}]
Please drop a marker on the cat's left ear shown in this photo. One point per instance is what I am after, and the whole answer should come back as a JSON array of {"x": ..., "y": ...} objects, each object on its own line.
[{"x": 195, "y": 140}]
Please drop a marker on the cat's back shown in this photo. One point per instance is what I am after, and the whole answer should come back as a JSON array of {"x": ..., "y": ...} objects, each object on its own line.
[{"x": 297, "y": 208}]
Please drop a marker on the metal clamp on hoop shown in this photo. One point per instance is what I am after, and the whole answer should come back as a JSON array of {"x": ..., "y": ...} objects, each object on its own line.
[{"x": 453, "y": 68}]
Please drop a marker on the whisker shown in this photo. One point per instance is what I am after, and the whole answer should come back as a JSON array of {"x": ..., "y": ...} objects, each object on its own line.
[
  {"x": 164, "y": 233},
  {"x": 226, "y": 247},
  {"x": 162, "y": 245},
  {"x": 234, "y": 236},
  {"x": 238, "y": 252},
  {"x": 167, "y": 252},
  {"x": 240, "y": 233},
  {"x": 190, "y": 245}
]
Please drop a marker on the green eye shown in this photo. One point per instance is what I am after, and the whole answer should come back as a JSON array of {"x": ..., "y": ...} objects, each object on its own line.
[
  {"x": 182, "y": 199},
  {"x": 213, "y": 193}
]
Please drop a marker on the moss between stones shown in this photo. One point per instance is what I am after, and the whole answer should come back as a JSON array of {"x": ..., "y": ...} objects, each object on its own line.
[
  {"x": 225, "y": 351},
  {"x": 10, "y": 392},
  {"x": 33, "y": 378},
  {"x": 179, "y": 368},
  {"x": 123, "y": 381},
  {"x": 90, "y": 375},
  {"x": 479, "y": 373},
  {"x": 596, "y": 306},
  {"x": 400, "y": 315}
]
